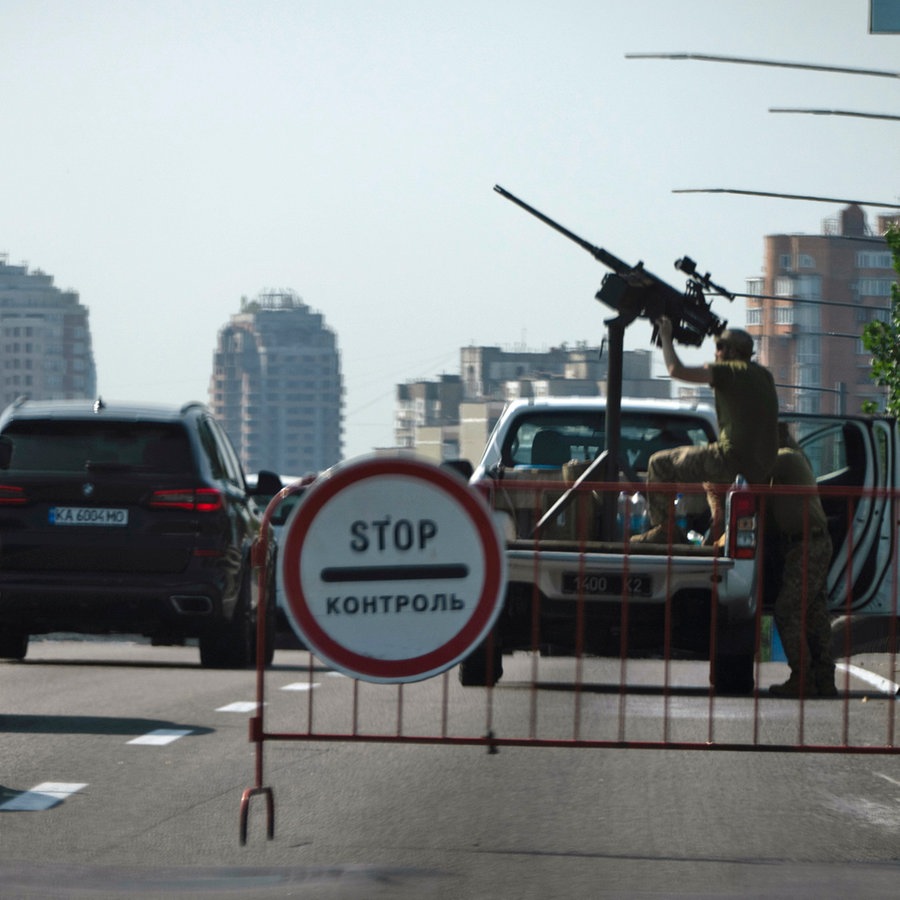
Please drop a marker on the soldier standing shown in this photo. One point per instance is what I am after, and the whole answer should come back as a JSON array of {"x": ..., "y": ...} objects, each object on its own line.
[{"x": 803, "y": 553}]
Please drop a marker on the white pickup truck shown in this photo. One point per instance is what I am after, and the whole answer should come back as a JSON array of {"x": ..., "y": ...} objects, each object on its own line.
[{"x": 575, "y": 588}]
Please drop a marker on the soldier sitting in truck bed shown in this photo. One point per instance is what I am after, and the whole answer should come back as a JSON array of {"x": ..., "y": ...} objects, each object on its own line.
[{"x": 747, "y": 410}]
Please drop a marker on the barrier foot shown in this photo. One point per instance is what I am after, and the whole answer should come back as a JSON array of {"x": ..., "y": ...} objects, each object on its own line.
[{"x": 270, "y": 811}]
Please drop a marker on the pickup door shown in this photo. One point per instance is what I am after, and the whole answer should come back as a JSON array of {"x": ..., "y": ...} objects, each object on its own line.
[{"x": 854, "y": 459}]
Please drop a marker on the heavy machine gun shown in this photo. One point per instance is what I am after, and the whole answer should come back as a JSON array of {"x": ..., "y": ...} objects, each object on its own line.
[{"x": 636, "y": 293}]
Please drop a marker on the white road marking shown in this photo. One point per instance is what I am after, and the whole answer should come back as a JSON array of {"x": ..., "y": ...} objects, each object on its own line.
[
  {"x": 43, "y": 796},
  {"x": 887, "y": 778},
  {"x": 300, "y": 686},
  {"x": 884, "y": 685},
  {"x": 161, "y": 736},
  {"x": 240, "y": 706}
]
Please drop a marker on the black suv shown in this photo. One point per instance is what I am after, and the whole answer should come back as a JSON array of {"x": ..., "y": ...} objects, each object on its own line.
[{"x": 130, "y": 519}]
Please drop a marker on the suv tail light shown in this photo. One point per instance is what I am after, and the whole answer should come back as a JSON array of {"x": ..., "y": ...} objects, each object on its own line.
[
  {"x": 11, "y": 495},
  {"x": 191, "y": 499}
]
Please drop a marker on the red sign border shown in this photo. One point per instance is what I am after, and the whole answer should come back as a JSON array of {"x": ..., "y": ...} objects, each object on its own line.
[{"x": 413, "y": 668}]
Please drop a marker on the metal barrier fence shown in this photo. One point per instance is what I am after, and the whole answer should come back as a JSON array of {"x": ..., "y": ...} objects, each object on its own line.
[{"x": 627, "y": 697}]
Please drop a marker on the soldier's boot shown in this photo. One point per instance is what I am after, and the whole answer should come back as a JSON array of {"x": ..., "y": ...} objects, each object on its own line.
[
  {"x": 799, "y": 684},
  {"x": 824, "y": 680}
]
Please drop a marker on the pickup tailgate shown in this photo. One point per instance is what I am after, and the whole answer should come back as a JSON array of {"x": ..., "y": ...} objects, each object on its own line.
[{"x": 601, "y": 571}]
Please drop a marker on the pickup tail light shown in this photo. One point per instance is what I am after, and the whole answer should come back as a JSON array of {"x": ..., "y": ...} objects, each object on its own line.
[
  {"x": 10, "y": 495},
  {"x": 741, "y": 513},
  {"x": 191, "y": 499}
]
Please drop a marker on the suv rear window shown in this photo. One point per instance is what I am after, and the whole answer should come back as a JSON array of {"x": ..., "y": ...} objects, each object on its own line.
[
  {"x": 552, "y": 439},
  {"x": 79, "y": 446}
]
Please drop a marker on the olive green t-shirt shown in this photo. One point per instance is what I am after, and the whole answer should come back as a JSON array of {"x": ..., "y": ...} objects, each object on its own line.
[{"x": 747, "y": 408}]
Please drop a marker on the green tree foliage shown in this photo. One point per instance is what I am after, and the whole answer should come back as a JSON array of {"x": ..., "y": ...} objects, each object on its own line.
[{"x": 882, "y": 340}]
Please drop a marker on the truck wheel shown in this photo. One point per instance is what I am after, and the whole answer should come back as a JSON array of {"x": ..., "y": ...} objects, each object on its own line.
[
  {"x": 732, "y": 673},
  {"x": 483, "y": 667},
  {"x": 13, "y": 643},
  {"x": 229, "y": 645},
  {"x": 866, "y": 634}
]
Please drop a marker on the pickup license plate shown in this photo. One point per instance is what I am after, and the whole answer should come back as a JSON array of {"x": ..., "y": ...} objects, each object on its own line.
[
  {"x": 605, "y": 584},
  {"x": 87, "y": 515}
]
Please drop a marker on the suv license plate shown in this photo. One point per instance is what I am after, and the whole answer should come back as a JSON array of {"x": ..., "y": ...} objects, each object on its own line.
[
  {"x": 606, "y": 584},
  {"x": 87, "y": 515}
]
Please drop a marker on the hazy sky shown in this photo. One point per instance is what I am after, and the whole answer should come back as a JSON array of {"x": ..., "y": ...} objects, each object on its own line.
[{"x": 164, "y": 159}]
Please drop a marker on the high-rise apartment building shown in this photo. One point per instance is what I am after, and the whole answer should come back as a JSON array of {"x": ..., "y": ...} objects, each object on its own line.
[
  {"x": 45, "y": 339},
  {"x": 277, "y": 386},
  {"x": 810, "y": 307}
]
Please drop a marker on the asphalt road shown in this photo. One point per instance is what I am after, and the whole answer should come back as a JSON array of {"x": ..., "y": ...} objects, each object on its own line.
[{"x": 122, "y": 768}]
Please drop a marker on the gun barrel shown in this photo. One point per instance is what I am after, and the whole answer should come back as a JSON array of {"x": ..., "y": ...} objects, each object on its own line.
[
  {"x": 636, "y": 293},
  {"x": 612, "y": 262}
]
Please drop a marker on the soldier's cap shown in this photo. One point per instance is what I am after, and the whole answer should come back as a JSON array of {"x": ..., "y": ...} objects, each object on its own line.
[{"x": 738, "y": 340}]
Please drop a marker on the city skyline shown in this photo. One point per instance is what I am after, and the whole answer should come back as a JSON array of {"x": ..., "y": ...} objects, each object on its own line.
[
  {"x": 274, "y": 369},
  {"x": 166, "y": 159}
]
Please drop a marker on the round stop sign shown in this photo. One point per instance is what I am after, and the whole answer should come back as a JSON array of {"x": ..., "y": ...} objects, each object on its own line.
[{"x": 392, "y": 569}]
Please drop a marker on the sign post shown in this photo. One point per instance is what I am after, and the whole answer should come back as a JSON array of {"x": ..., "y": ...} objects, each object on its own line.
[{"x": 393, "y": 569}]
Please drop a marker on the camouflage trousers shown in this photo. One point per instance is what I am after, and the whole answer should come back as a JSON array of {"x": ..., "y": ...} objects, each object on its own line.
[
  {"x": 689, "y": 465},
  {"x": 801, "y": 612}
]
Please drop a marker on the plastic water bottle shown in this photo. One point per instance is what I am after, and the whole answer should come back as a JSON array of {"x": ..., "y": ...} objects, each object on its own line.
[
  {"x": 739, "y": 481},
  {"x": 681, "y": 519},
  {"x": 621, "y": 514},
  {"x": 638, "y": 513}
]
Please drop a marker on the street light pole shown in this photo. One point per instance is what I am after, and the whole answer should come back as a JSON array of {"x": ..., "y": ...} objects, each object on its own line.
[{"x": 839, "y": 391}]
